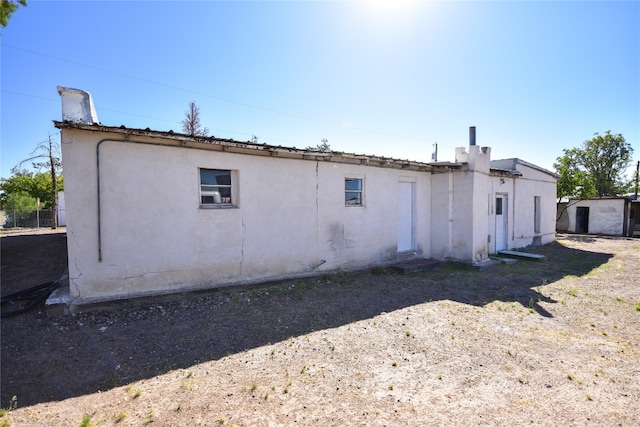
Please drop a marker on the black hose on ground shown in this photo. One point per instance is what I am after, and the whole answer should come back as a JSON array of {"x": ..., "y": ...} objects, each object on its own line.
[{"x": 22, "y": 301}]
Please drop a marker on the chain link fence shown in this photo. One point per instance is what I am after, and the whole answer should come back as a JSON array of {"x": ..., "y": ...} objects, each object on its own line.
[{"x": 27, "y": 218}]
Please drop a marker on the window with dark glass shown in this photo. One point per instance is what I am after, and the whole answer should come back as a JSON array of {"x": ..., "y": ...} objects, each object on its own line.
[
  {"x": 353, "y": 191},
  {"x": 498, "y": 205},
  {"x": 215, "y": 187}
]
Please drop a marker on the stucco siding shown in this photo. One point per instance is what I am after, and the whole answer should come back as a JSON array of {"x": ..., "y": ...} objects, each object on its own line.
[
  {"x": 136, "y": 225},
  {"x": 606, "y": 216},
  {"x": 289, "y": 218}
]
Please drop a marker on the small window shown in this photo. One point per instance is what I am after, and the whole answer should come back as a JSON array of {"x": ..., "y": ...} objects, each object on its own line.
[
  {"x": 353, "y": 191},
  {"x": 215, "y": 187},
  {"x": 498, "y": 205}
]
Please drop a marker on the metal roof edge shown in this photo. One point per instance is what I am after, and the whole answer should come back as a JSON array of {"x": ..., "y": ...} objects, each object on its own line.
[{"x": 246, "y": 147}]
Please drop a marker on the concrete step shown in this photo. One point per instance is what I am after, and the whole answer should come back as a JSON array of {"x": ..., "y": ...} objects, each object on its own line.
[{"x": 523, "y": 255}]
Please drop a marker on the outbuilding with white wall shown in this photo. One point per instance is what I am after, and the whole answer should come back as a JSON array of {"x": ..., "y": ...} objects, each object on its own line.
[{"x": 152, "y": 212}]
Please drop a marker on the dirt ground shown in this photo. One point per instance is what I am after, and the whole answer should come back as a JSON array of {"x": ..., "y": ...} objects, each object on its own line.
[{"x": 554, "y": 342}]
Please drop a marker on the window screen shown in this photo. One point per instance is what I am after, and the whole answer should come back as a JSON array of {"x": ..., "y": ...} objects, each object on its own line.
[
  {"x": 353, "y": 191},
  {"x": 215, "y": 187}
]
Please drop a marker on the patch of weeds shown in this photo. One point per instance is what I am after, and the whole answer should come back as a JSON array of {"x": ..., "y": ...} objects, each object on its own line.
[
  {"x": 189, "y": 374},
  {"x": 589, "y": 397},
  {"x": 137, "y": 393},
  {"x": 222, "y": 420},
  {"x": 13, "y": 404},
  {"x": 339, "y": 276},
  {"x": 390, "y": 386},
  {"x": 440, "y": 377},
  {"x": 120, "y": 417},
  {"x": 302, "y": 288},
  {"x": 409, "y": 334},
  {"x": 287, "y": 388},
  {"x": 570, "y": 377},
  {"x": 187, "y": 385},
  {"x": 638, "y": 307},
  {"x": 254, "y": 387},
  {"x": 5, "y": 423},
  {"x": 573, "y": 292},
  {"x": 394, "y": 363},
  {"x": 619, "y": 299},
  {"x": 303, "y": 369},
  {"x": 149, "y": 418},
  {"x": 86, "y": 420}
]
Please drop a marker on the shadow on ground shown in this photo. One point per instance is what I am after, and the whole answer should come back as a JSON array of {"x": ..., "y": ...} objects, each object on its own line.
[{"x": 49, "y": 359}]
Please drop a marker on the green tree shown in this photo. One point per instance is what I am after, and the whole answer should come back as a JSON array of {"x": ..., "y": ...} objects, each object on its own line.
[
  {"x": 36, "y": 185},
  {"x": 46, "y": 155},
  {"x": 18, "y": 206},
  {"x": 596, "y": 168},
  {"x": 7, "y": 7}
]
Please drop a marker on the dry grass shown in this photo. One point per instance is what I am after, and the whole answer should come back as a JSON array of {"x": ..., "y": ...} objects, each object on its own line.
[{"x": 551, "y": 343}]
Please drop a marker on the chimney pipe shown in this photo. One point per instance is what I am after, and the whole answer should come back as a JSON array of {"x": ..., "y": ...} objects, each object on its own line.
[
  {"x": 472, "y": 135},
  {"x": 77, "y": 106}
]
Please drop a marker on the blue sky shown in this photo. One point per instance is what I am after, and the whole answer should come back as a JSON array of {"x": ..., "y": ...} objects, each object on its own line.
[{"x": 388, "y": 78}]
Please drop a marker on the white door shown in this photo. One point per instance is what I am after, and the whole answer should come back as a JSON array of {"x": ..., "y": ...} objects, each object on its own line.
[
  {"x": 501, "y": 222},
  {"x": 406, "y": 216}
]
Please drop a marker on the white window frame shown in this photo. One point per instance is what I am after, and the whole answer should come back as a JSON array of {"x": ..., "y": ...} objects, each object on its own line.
[
  {"x": 213, "y": 191},
  {"x": 360, "y": 192}
]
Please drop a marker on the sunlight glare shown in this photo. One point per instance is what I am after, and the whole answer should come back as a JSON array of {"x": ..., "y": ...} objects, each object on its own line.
[{"x": 390, "y": 7}]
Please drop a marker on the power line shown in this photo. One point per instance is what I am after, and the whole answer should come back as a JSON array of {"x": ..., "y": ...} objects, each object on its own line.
[
  {"x": 244, "y": 104},
  {"x": 97, "y": 108},
  {"x": 186, "y": 91}
]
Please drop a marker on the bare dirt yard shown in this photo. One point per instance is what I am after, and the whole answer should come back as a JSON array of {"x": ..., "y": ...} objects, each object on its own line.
[{"x": 553, "y": 342}]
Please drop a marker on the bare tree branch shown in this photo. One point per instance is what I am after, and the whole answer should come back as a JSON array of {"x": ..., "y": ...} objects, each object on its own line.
[{"x": 49, "y": 151}]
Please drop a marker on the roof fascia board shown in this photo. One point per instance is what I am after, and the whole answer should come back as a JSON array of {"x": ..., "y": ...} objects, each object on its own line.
[{"x": 229, "y": 145}]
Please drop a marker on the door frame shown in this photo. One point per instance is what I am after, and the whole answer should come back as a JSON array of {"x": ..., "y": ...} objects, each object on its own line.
[
  {"x": 406, "y": 217},
  {"x": 502, "y": 223},
  {"x": 582, "y": 212}
]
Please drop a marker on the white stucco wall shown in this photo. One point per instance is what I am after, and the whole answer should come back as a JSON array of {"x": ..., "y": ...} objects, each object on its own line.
[
  {"x": 521, "y": 192},
  {"x": 606, "y": 216},
  {"x": 290, "y": 218},
  {"x": 442, "y": 190}
]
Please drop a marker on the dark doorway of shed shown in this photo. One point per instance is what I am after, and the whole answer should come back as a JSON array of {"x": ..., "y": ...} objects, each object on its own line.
[{"x": 582, "y": 220}]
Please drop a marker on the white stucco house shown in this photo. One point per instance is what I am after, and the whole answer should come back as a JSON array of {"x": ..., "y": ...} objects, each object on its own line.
[
  {"x": 613, "y": 216},
  {"x": 152, "y": 212}
]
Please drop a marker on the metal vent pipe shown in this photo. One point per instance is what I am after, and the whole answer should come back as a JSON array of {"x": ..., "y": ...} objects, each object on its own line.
[{"x": 472, "y": 135}]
